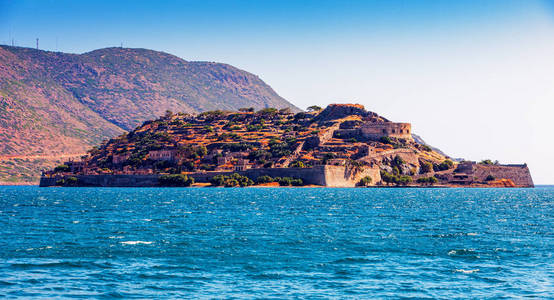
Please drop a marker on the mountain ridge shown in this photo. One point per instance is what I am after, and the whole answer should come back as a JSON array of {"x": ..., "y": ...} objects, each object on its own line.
[
  {"x": 115, "y": 89},
  {"x": 58, "y": 103}
]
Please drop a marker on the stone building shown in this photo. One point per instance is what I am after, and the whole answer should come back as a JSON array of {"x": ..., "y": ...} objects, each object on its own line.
[
  {"x": 164, "y": 154},
  {"x": 390, "y": 129},
  {"x": 242, "y": 164},
  {"x": 119, "y": 158}
]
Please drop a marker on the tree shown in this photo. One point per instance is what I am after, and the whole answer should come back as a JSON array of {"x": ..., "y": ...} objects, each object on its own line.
[
  {"x": 175, "y": 180},
  {"x": 386, "y": 140},
  {"x": 264, "y": 179},
  {"x": 428, "y": 180},
  {"x": 365, "y": 181},
  {"x": 426, "y": 167},
  {"x": 490, "y": 178},
  {"x": 314, "y": 108},
  {"x": 297, "y": 164},
  {"x": 398, "y": 161},
  {"x": 445, "y": 165},
  {"x": 486, "y": 162},
  {"x": 246, "y": 109},
  {"x": 62, "y": 168}
]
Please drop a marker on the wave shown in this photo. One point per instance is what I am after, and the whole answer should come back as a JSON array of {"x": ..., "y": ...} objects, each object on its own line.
[
  {"x": 136, "y": 243},
  {"x": 467, "y": 271}
]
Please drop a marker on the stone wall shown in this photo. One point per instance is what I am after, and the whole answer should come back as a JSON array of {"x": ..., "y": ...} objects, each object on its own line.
[
  {"x": 332, "y": 176},
  {"x": 107, "y": 180},
  {"x": 321, "y": 138},
  {"x": 338, "y": 111},
  {"x": 518, "y": 174},
  {"x": 390, "y": 129},
  {"x": 346, "y": 176}
]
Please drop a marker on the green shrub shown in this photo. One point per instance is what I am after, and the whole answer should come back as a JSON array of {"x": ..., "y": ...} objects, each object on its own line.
[
  {"x": 314, "y": 108},
  {"x": 365, "y": 181},
  {"x": 428, "y": 180},
  {"x": 445, "y": 165},
  {"x": 398, "y": 161},
  {"x": 218, "y": 180},
  {"x": 486, "y": 162},
  {"x": 386, "y": 140},
  {"x": 394, "y": 178},
  {"x": 175, "y": 180},
  {"x": 490, "y": 178},
  {"x": 232, "y": 180},
  {"x": 426, "y": 167},
  {"x": 264, "y": 179},
  {"x": 297, "y": 164},
  {"x": 71, "y": 181},
  {"x": 288, "y": 181},
  {"x": 297, "y": 182},
  {"x": 256, "y": 127},
  {"x": 62, "y": 168}
]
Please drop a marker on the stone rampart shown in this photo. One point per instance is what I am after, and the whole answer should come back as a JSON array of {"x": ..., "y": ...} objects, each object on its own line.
[
  {"x": 325, "y": 175},
  {"x": 518, "y": 174},
  {"x": 390, "y": 129}
]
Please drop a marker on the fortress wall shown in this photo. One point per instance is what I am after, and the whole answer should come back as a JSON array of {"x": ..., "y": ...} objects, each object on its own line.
[
  {"x": 519, "y": 174},
  {"x": 321, "y": 138},
  {"x": 390, "y": 129},
  {"x": 407, "y": 155},
  {"x": 336, "y": 176},
  {"x": 47, "y": 181},
  {"x": 106, "y": 180},
  {"x": 341, "y": 176}
]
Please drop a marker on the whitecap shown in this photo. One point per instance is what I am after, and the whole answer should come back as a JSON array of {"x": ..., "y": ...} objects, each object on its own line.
[
  {"x": 136, "y": 243},
  {"x": 472, "y": 234},
  {"x": 147, "y": 220},
  {"x": 467, "y": 271},
  {"x": 75, "y": 222},
  {"x": 116, "y": 237}
]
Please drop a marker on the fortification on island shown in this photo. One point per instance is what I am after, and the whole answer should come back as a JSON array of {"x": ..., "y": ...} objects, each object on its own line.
[{"x": 343, "y": 145}]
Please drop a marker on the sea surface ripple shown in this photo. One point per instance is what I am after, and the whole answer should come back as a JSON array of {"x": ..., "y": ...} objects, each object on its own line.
[{"x": 276, "y": 243}]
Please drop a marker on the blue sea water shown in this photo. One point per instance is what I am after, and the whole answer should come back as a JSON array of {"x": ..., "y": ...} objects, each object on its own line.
[{"x": 276, "y": 243}]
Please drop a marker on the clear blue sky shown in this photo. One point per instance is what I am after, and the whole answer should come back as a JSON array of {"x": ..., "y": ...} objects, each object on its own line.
[{"x": 473, "y": 77}]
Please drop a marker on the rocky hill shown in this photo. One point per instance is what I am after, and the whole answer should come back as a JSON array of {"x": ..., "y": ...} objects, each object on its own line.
[
  {"x": 52, "y": 102},
  {"x": 342, "y": 145}
]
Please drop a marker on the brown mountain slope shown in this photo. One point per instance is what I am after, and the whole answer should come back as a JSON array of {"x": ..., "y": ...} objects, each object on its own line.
[
  {"x": 47, "y": 96},
  {"x": 52, "y": 103}
]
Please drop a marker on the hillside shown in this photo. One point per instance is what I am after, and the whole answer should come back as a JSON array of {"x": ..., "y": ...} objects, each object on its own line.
[
  {"x": 345, "y": 136},
  {"x": 52, "y": 102}
]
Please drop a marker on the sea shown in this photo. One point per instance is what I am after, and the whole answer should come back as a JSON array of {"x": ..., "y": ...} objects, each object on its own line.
[{"x": 276, "y": 243}]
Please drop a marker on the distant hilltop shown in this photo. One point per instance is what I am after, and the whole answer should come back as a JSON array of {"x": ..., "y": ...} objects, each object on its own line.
[
  {"x": 55, "y": 103},
  {"x": 343, "y": 145}
]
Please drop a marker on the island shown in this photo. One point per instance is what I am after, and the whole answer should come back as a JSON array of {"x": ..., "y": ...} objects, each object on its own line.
[{"x": 343, "y": 145}]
